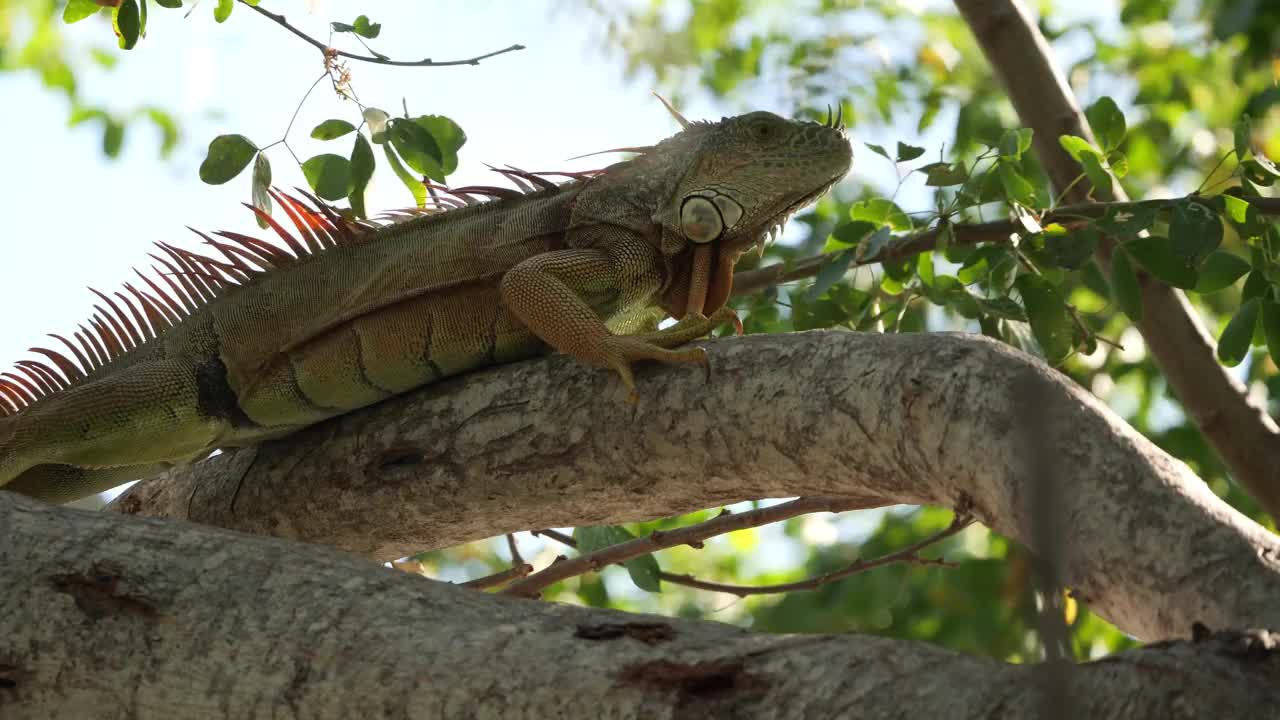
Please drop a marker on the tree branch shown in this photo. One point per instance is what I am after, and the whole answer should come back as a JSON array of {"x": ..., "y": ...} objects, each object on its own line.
[
  {"x": 110, "y": 616},
  {"x": 377, "y": 60},
  {"x": 694, "y": 534},
  {"x": 1243, "y": 435},
  {"x": 874, "y": 419},
  {"x": 748, "y": 282}
]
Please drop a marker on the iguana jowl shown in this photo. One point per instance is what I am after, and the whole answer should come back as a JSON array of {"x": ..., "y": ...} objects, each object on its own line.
[{"x": 263, "y": 339}]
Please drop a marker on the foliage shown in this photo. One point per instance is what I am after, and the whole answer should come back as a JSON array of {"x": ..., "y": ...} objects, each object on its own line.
[
  {"x": 1168, "y": 127},
  {"x": 31, "y": 41}
]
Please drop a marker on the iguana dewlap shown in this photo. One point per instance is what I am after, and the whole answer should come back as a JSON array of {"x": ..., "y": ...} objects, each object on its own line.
[{"x": 254, "y": 340}]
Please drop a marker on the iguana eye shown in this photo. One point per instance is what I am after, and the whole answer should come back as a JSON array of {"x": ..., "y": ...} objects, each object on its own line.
[
  {"x": 730, "y": 211},
  {"x": 700, "y": 221}
]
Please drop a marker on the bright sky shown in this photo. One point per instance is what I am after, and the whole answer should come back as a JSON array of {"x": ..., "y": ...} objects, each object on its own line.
[{"x": 74, "y": 218}]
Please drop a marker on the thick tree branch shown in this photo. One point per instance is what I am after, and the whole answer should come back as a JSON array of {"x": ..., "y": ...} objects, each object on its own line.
[
  {"x": 1243, "y": 435},
  {"x": 375, "y": 59},
  {"x": 108, "y": 617},
  {"x": 873, "y": 419}
]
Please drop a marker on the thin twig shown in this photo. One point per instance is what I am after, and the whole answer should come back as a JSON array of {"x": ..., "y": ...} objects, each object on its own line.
[
  {"x": 499, "y": 578},
  {"x": 691, "y": 535},
  {"x": 907, "y": 554},
  {"x": 515, "y": 550},
  {"x": 327, "y": 50}
]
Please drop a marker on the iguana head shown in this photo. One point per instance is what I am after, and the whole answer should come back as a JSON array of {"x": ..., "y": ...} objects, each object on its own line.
[
  {"x": 712, "y": 191},
  {"x": 745, "y": 175}
]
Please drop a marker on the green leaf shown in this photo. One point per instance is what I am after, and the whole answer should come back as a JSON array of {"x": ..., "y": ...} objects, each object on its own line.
[
  {"x": 981, "y": 262},
  {"x": 227, "y": 156},
  {"x": 1002, "y": 307},
  {"x": 361, "y": 170},
  {"x": 1092, "y": 277},
  {"x": 112, "y": 137},
  {"x": 77, "y": 10},
  {"x": 907, "y": 153},
  {"x": 1220, "y": 271},
  {"x": 1243, "y": 136},
  {"x": 1156, "y": 256},
  {"x": 879, "y": 150},
  {"x": 416, "y": 146},
  {"x": 1077, "y": 147},
  {"x": 1098, "y": 176},
  {"x": 876, "y": 242},
  {"x": 1015, "y": 142},
  {"x": 331, "y": 129},
  {"x": 171, "y": 4},
  {"x": 1194, "y": 231},
  {"x": 1051, "y": 323},
  {"x": 222, "y": 10},
  {"x": 1236, "y": 209},
  {"x": 1233, "y": 344},
  {"x": 415, "y": 186},
  {"x": 1016, "y": 187},
  {"x": 1124, "y": 281},
  {"x": 850, "y": 234},
  {"x": 1071, "y": 250},
  {"x": 1271, "y": 328},
  {"x": 168, "y": 128},
  {"x": 944, "y": 174},
  {"x": 262, "y": 183},
  {"x": 127, "y": 22},
  {"x": 644, "y": 570},
  {"x": 833, "y": 270},
  {"x": 377, "y": 121},
  {"x": 1255, "y": 286},
  {"x": 880, "y": 212},
  {"x": 366, "y": 29},
  {"x": 328, "y": 175},
  {"x": 1107, "y": 122},
  {"x": 449, "y": 138}
]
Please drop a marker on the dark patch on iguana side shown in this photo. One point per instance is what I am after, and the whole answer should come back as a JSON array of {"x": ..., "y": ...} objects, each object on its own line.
[{"x": 214, "y": 396}]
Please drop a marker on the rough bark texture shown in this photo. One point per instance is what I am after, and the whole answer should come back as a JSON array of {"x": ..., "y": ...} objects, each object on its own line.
[
  {"x": 881, "y": 418},
  {"x": 107, "y": 617},
  {"x": 1244, "y": 436}
]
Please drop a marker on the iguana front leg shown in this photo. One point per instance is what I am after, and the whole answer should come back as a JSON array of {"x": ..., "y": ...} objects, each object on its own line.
[{"x": 548, "y": 294}]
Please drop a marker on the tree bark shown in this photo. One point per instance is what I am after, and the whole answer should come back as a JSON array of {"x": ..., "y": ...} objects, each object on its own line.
[
  {"x": 922, "y": 419},
  {"x": 108, "y": 617},
  {"x": 1242, "y": 434}
]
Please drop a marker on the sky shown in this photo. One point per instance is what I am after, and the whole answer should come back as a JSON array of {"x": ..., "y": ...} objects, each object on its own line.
[{"x": 75, "y": 218}]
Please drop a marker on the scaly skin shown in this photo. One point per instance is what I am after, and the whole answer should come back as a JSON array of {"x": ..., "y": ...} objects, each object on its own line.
[{"x": 266, "y": 348}]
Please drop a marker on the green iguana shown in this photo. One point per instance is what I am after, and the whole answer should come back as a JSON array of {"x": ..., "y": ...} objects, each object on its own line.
[{"x": 258, "y": 339}]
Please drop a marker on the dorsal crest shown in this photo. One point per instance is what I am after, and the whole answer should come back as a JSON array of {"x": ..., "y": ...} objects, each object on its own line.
[{"x": 182, "y": 281}]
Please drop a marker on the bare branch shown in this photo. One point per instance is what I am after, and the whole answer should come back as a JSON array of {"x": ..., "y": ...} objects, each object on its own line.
[
  {"x": 1244, "y": 436},
  {"x": 377, "y": 60},
  {"x": 499, "y": 578},
  {"x": 659, "y": 540},
  {"x": 908, "y": 554}
]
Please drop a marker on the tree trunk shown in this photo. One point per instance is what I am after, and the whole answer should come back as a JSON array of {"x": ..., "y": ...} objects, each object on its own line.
[{"x": 105, "y": 616}]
